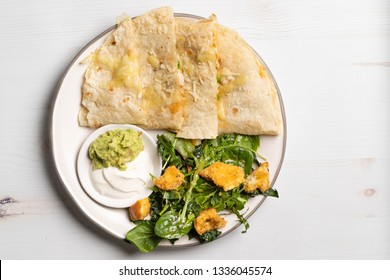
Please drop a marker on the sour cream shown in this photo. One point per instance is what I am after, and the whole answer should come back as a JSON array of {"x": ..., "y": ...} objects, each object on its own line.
[
  {"x": 113, "y": 187},
  {"x": 134, "y": 182}
]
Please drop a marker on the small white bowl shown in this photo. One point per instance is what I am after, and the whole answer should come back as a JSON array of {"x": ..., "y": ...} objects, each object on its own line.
[{"x": 147, "y": 162}]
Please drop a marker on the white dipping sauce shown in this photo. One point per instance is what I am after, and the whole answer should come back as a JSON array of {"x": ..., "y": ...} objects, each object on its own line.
[{"x": 133, "y": 182}]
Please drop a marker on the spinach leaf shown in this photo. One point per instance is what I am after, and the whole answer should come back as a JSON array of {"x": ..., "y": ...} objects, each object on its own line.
[
  {"x": 183, "y": 146},
  {"x": 171, "y": 225},
  {"x": 250, "y": 142},
  {"x": 143, "y": 237},
  {"x": 234, "y": 149},
  {"x": 240, "y": 157}
]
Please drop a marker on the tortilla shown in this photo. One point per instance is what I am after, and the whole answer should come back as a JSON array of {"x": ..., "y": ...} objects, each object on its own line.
[
  {"x": 193, "y": 77},
  {"x": 198, "y": 64},
  {"x": 161, "y": 90},
  {"x": 111, "y": 92},
  {"x": 133, "y": 77},
  {"x": 248, "y": 102}
]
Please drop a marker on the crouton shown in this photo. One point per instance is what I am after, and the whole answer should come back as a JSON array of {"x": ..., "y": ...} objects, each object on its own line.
[
  {"x": 139, "y": 210},
  {"x": 170, "y": 180},
  {"x": 225, "y": 176},
  {"x": 258, "y": 179},
  {"x": 208, "y": 220}
]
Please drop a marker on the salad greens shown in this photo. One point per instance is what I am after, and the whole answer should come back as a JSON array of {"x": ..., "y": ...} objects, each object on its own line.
[{"x": 173, "y": 212}]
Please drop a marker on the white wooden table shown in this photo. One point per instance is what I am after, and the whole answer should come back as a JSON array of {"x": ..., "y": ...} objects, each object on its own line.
[{"x": 331, "y": 60}]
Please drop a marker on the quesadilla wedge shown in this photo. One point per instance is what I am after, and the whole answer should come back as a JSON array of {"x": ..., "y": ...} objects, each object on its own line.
[
  {"x": 198, "y": 64},
  {"x": 133, "y": 77},
  {"x": 161, "y": 90},
  {"x": 111, "y": 92},
  {"x": 248, "y": 102}
]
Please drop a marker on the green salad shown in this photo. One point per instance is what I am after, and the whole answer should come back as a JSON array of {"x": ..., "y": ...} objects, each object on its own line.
[{"x": 173, "y": 212}]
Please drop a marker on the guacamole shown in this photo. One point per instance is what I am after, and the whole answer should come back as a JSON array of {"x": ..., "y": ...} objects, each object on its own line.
[{"x": 115, "y": 148}]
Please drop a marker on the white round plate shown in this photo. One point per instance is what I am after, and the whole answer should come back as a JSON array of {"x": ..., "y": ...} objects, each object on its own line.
[{"x": 67, "y": 138}]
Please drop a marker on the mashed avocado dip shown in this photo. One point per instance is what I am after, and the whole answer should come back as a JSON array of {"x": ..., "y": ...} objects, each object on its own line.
[{"x": 115, "y": 148}]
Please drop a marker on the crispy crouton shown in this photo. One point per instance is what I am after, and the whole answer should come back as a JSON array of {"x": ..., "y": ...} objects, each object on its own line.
[
  {"x": 225, "y": 176},
  {"x": 139, "y": 210},
  {"x": 258, "y": 179},
  {"x": 208, "y": 220},
  {"x": 170, "y": 180}
]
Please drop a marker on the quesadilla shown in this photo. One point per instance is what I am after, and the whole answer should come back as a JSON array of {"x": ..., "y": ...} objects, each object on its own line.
[
  {"x": 248, "y": 102},
  {"x": 133, "y": 77},
  {"x": 111, "y": 92},
  {"x": 198, "y": 65},
  {"x": 161, "y": 91},
  {"x": 190, "y": 76}
]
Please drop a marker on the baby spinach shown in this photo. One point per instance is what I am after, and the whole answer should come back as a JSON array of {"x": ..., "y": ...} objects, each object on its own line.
[
  {"x": 183, "y": 146},
  {"x": 172, "y": 226},
  {"x": 143, "y": 237}
]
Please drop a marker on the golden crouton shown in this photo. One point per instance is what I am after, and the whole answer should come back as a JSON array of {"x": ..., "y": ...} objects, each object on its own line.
[
  {"x": 258, "y": 179},
  {"x": 225, "y": 176},
  {"x": 170, "y": 180},
  {"x": 139, "y": 210},
  {"x": 208, "y": 220}
]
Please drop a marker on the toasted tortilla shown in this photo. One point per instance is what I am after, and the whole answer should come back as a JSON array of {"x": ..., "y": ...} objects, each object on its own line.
[
  {"x": 248, "y": 102},
  {"x": 133, "y": 77},
  {"x": 198, "y": 64},
  {"x": 111, "y": 92},
  {"x": 194, "y": 77},
  {"x": 161, "y": 90}
]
